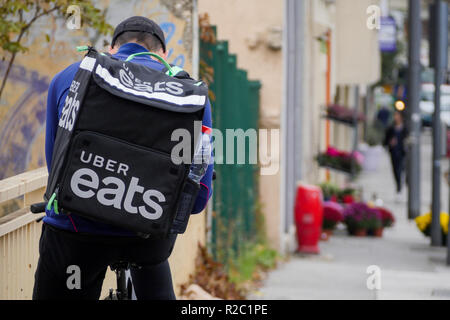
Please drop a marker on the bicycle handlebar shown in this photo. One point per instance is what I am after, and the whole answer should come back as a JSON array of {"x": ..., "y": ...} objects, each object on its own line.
[{"x": 38, "y": 207}]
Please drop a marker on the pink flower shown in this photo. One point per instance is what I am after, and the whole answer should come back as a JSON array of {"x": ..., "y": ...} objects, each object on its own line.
[
  {"x": 332, "y": 152},
  {"x": 333, "y": 211},
  {"x": 358, "y": 157}
]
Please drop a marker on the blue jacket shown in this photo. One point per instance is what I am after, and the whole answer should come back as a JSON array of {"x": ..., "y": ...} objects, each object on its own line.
[{"x": 57, "y": 93}]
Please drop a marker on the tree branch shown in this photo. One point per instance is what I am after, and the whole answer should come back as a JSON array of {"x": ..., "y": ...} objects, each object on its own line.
[
  {"x": 37, "y": 16},
  {"x": 24, "y": 29},
  {"x": 10, "y": 64}
]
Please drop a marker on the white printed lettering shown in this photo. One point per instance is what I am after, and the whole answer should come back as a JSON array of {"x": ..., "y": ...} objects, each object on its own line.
[
  {"x": 132, "y": 189},
  {"x": 77, "y": 180},
  {"x": 155, "y": 206},
  {"x": 117, "y": 192}
]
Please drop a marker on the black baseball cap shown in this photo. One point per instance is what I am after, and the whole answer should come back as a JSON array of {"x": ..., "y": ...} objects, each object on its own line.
[{"x": 139, "y": 23}]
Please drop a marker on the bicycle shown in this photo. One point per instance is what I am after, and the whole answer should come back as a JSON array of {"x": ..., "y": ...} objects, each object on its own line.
[{"x": 124, "y": 289}]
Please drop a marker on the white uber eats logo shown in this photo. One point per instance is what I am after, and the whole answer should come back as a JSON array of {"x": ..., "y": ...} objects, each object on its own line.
[{"x": 85, "y": 183}]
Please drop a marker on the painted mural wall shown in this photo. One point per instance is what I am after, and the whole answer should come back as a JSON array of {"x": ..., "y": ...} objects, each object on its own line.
[{"x": 23, "y": 104}]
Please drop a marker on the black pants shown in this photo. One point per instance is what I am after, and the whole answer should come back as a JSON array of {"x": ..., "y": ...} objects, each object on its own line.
[
  {"x": 66, "y": 255},
  {"x": 398, "y": 165}
]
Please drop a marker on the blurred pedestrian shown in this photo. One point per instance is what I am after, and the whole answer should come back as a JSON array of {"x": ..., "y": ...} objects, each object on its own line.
[
  {"x": 395, "y": 141},
  {"x": 383, "y": 116}
]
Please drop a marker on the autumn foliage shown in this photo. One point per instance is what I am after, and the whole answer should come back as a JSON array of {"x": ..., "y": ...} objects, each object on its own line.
[{"x": 213, "y": 278}]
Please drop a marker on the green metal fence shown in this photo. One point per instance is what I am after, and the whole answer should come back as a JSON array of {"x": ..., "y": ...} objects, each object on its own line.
[{"x": 235, "y": 105}]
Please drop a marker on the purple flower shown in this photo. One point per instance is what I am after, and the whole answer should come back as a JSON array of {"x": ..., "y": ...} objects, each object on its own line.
[{"x": 358, "y": 211}]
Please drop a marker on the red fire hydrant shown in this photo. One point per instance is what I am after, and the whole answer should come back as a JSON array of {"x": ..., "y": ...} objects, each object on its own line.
[{"x": 308, "y": 218}]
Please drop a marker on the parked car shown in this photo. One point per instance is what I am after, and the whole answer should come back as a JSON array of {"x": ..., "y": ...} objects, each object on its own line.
[{"x": 427, "y": 104}]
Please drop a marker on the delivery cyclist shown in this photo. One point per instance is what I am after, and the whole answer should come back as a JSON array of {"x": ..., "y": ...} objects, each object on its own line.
[{"x": 70, "y": 240}]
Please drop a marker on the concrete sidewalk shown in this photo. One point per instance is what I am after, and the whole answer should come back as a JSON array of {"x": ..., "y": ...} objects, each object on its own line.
[{"x": 410, "y": 267}]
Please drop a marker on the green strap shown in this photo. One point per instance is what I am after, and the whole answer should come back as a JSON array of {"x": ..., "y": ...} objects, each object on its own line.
[
  {"x": 169, "y": 68},
  {"x": 53, "y": 202},
  {"x": 82, "y": 48},
  {"x": 49, "y": 204},
  {"x": 55, "y": 206},
  {"x": 170, "y": 71},
  {"x": 86, "y": 48},
  {"x": 175, "y": 69}
]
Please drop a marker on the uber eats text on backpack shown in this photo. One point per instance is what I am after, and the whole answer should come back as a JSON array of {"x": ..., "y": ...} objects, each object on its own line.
[{"x": 70, "y": 109}]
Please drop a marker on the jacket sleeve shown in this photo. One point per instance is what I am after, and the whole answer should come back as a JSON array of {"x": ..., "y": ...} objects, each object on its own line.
[
  {"x": 57, "y": 92},
  {"x": 51, "y": 123},
  {"x": 206, "y": 182}
]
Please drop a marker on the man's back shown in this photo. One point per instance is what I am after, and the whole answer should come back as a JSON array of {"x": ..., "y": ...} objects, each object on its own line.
[{"x": 57, "y": 93}]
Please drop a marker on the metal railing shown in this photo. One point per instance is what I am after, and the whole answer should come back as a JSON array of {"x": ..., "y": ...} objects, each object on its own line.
[{"x": 19, "y": 234}]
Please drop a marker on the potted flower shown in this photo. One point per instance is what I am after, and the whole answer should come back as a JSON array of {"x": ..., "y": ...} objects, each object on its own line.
[
  {"x": 332, "y": 192},
  {"x": 347, "y": 195},
  {"x": 423, "y": 222},
  {"x": 348, "y": 198},
  {"x": 355, "y": 218},
  {"x": 332, "y": 215},
  {"x": 344, "y": 114},
  {"x": 374, "y": 222},
  {"x": 387, "y": 217},
  {"x": 341, "y": 160}
]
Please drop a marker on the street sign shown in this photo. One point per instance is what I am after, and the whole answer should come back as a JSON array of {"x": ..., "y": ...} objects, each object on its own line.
[{"x": 387, "y": 36}]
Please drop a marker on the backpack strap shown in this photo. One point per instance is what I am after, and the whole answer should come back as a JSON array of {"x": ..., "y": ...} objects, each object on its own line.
[
  {"x": 181, "y": 74},
  {"x": 161, "y": 59},
  {"x": 176, "y": 71},
  {"x": 169, "y": 69}
]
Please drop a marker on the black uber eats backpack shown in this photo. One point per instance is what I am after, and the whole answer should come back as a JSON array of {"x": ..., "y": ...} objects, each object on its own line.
[{"x": 112, "y": 155}]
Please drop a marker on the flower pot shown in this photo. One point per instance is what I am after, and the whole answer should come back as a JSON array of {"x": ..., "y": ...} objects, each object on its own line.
[
  {"x": 378, "y": 232},
  {"x": 360, "y": 233},
  {"x": 356, "y": 231}
]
